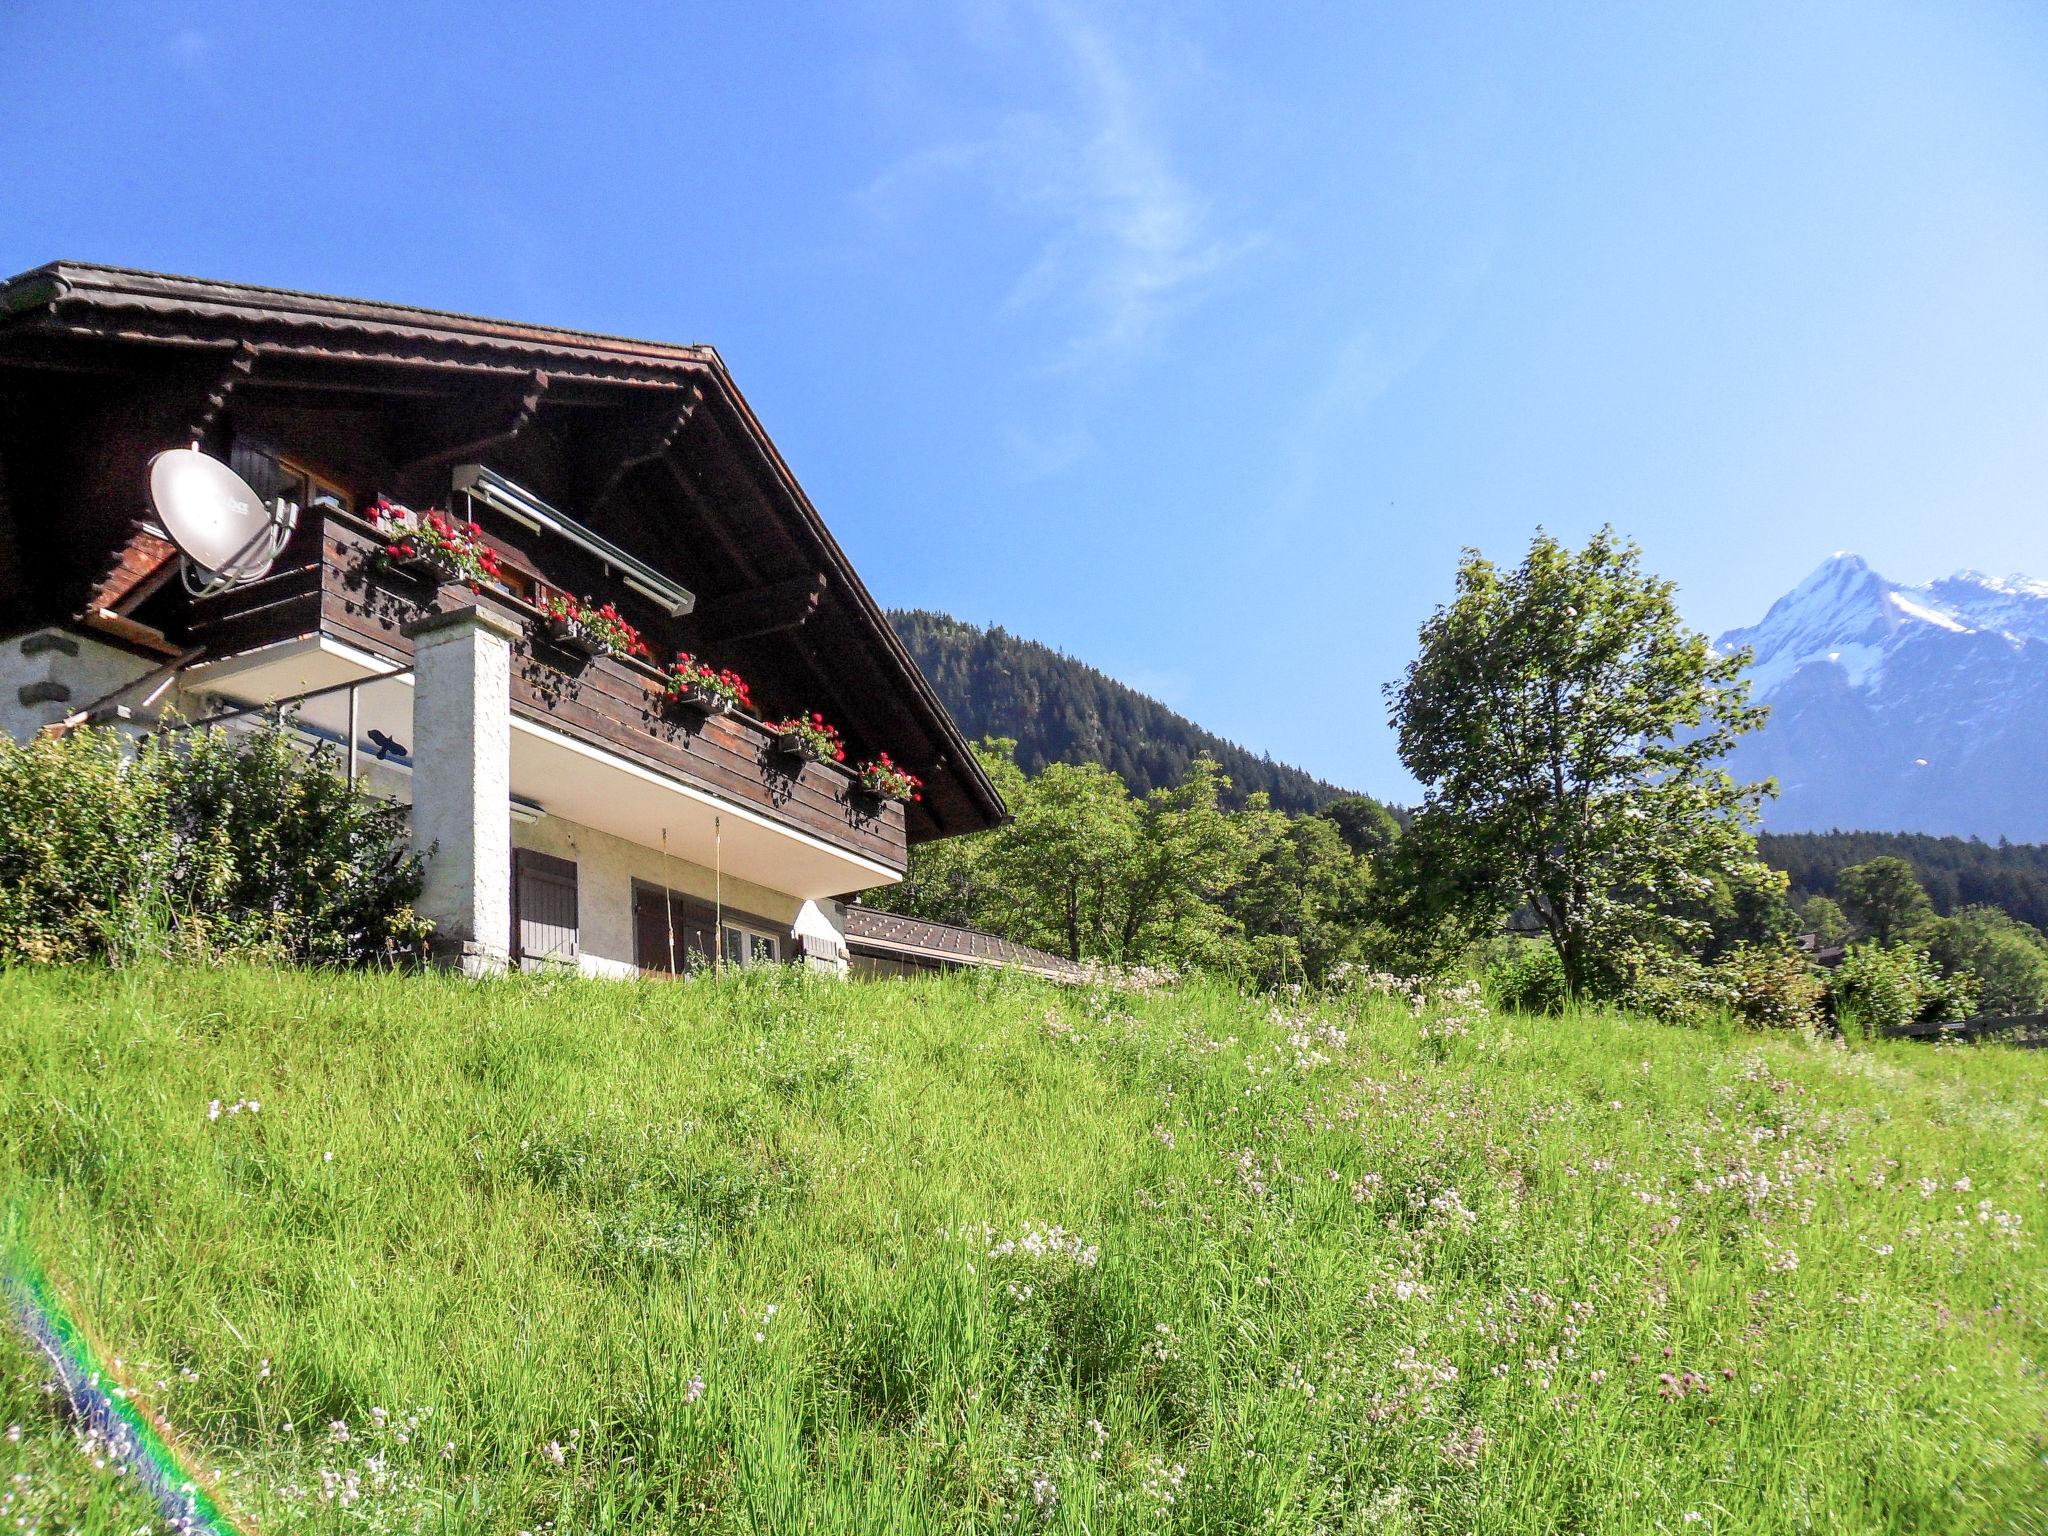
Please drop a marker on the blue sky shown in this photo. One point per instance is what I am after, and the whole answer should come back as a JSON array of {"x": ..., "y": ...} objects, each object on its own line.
[{"x": 1195, "y": 340}]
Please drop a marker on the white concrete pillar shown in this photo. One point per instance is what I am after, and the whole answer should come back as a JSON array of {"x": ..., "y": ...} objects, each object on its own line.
[{"x": 462, "y": 782}]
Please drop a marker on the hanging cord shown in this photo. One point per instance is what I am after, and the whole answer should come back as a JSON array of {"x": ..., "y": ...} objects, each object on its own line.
[
  {"x": 718, "y": 888},
  {"x": 668, "y": 904}
]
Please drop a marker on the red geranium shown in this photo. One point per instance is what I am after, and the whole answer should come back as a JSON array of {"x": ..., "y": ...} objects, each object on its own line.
[
  {"x": 812, "y": 736},
  {"x": 456, "y": 551},
  {"x": 882, "y": 778},
  {"x": 605, "y": 625},
  {"x": 687, "y": 676}
]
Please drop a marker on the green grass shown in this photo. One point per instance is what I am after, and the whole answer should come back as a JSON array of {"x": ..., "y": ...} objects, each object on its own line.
[{"x": 1329, "y": 1269}]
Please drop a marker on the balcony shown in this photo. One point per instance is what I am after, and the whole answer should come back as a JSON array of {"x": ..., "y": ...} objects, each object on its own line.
[{"x": 593, "y": 742}]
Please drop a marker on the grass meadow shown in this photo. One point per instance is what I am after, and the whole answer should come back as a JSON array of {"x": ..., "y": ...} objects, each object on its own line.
[{"x": 773, "y": 1254}]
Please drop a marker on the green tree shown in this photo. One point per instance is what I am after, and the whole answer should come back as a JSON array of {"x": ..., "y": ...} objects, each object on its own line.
[
  {"x": 1187, "y": 853},
  {"x": 2008, "y": 958},
  {"x": 1567, "y": 727},
  {"x": 1884, "y": 898},
  {"x": 206, "y": 842},
  {"x": 1367, "y": 827},
  {"x": 1303, "y": 903},
  {"x": 1823, "y": 918},
  {"x": 1058, "y": 868},
  {"x": 1879, "y": 987}
]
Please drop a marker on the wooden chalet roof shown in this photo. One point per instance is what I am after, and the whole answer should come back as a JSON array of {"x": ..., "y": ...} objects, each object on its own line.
[
  {"x": 656, "y": 424},
  {"x": 93, "y": 300},
  {"x": 887, "y": 933}
]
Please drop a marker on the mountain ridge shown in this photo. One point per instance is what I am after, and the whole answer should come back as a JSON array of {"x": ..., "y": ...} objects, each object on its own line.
[{"x": 1060, "y": 709}]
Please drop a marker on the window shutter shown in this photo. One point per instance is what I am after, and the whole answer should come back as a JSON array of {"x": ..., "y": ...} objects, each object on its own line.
[{"x": 544, "y": 926}]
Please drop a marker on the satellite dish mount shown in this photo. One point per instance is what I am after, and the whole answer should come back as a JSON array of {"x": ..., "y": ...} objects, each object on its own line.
[{"x": 226, "y": 533}]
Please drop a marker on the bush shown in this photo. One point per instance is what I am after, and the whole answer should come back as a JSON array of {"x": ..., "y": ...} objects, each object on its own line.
[
  {"x": 1881, "y": 987},
  {"x": 1527, "y": 976},
  {"x": 81, "y": 840},
  {"x": 201, "y": 843},
  {"x": 2008, "y": 958},
  {"x": 1770, "y": 986}
]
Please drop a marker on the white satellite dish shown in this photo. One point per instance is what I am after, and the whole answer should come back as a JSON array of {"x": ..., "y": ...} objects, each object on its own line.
[{"x": 222, "y": 527}]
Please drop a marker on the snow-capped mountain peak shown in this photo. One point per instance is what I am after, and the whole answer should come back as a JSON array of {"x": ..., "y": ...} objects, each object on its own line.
[
  {"x": 1846, "y": 615},
  {"x": 1902, "y": 708}
]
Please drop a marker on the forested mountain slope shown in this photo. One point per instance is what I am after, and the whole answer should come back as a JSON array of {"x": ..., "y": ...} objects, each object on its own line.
[
  {"x": 1957, "y": 871},
  {"x": 1061, "y": 710}
]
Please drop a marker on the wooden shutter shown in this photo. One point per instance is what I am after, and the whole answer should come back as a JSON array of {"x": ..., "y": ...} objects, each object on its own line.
[
  {"x": 654, "y": 918},
  {"x": 544, "y": 927}
]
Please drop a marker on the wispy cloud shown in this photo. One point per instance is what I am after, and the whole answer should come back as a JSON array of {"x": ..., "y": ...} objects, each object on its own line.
[{"x": 1125, "y": 239}]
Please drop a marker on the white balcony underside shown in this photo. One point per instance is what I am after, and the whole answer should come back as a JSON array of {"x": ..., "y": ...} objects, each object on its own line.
[{"x": 561, "y": 774}]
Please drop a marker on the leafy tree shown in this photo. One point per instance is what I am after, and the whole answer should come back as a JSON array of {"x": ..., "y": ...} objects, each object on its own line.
[
  {"x": 1744, "y": 905},
  {"x": 1058, "y": 868},
  {"x": 1303, "y": 903},
  {"x": 1567, "y": 726},
  {"x": 1771, "y": 986},
  {"x": 1824, "y": 919},
  {"x": 2008, "y": 959},
  {"x": 1088, "y": 870},
  {"x": 1368, "y": 828},
  {"x": 1884, "y": 898},
  {"x": 1879, "y": 987},
  {"x": 203, "y": 843},
  {"x": 1525, "y": 975},
  {"x": 1188, "y": 853}
]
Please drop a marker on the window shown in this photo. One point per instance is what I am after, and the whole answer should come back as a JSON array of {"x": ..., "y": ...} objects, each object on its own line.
[
  {"x": 673, "y": 932},
  {"x": 750, "y": 946},
  {"x": 271, "y": 475},
  {"x": 544, "y": 928}
]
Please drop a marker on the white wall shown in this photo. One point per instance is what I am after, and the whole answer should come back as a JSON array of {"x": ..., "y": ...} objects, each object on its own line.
[{"x": 95, "y": 671}]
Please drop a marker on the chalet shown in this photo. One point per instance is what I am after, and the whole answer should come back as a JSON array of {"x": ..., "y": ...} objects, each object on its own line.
[{"x": 576, "y": 810}]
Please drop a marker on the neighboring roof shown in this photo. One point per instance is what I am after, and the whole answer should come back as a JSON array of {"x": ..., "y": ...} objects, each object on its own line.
[
  {"x": 886, "y": 933},
  {"x": 65, "y": 303}
]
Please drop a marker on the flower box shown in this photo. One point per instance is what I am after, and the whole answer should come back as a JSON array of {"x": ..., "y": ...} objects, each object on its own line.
[
  {"x": 807, "y": 738},
  {"x": 432, "y": 547},
  {"x": 416, "y": 565},
  {"x": 568, "y": 635},
  {"x": 588, "y": 632},
  {"x": 880, "y": 780},
  {"x": 695, "y": 685},
  {"x": 797, "y": 744},
  {"x": 703, "y": 698}
]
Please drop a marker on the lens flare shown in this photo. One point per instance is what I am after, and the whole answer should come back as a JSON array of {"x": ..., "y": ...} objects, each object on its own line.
[{"x": 102, "y": 1404}]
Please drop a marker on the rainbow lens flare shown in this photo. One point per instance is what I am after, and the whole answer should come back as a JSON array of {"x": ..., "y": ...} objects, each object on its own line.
[{"x": 100, "y": 1403}]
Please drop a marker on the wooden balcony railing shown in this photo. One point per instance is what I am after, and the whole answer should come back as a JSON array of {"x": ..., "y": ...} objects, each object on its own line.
[{"x": 609, "y": 702}]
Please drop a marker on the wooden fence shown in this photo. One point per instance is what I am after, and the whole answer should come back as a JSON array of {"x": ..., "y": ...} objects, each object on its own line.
[{"x": 2028, "y": 1031}]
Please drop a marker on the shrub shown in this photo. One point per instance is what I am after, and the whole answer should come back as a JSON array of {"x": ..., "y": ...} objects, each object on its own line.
[
  {"x": 1770, "y": 986},
  {"x": 81, "y": 840},
  {"x": 205, "y": 842},
  {"x": 1880, "y": 987},
  {"x": 1527, "y": 976},
  {"x": 2008, "y": 958}
]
